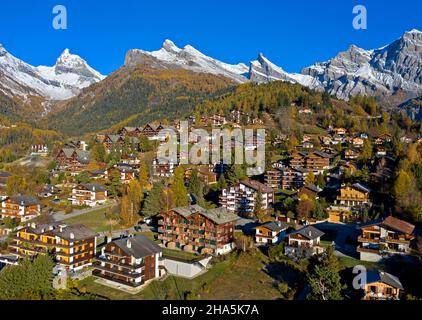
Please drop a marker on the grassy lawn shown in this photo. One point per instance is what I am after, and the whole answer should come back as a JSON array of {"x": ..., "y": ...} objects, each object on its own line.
[
  {"x": 346, "y": 262},
  {"x": 238, "y": 277},
  {"x": 95, "y": 220}
]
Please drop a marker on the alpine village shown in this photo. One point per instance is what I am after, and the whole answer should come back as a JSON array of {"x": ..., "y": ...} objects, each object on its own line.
[{"x": 89, "y": 211}]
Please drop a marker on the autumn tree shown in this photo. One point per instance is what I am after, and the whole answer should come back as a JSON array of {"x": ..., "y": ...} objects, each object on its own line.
[
  {"x": 143, "y": 174},
  {"x": 366, "y": 152},
  {"x": 304, "y": 207},
  {"x": 310, "y": 179},
  {"x": 16, "y": 185},
  {"x": 180, "y": 193}
]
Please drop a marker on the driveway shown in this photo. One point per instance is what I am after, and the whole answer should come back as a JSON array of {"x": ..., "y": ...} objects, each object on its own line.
[
  {"x": 60, "y": 216},
  {"x": 342, "y": 233}
]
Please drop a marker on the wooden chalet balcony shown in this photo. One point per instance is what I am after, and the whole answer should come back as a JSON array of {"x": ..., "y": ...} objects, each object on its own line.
[
  {"x": 98, "y": 273},
  {"x": 368, "y": 250},
  {"x": 134, "y": 275},
  {"x": 398, "y": 241},
  {"x": 75, "y": 253},
  {"x": 119, "y": 263},
  {"x": 368, "y": 240}
]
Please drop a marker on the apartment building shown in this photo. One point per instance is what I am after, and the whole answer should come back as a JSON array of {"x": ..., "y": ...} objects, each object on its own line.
[
  {"x": 73, "y": 246},
  {"x": 316, "y": 161},
  {"x": 21, "y": 208},
  {"x": 129, "y": 261},
  {"x": 241, "y": 198},
  {"x": 89, "y": 194},
  {"x": 384, "y": 237},
  {"x": 195, "y": 229}
]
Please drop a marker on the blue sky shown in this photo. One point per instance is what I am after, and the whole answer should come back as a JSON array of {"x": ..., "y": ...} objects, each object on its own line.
[{"x": 293, "y": 34}]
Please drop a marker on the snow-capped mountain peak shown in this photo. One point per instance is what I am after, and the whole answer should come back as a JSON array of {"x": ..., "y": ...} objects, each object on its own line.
[
  {"x": 64, "y": 80},
  {"x": 171, "y": 56}
]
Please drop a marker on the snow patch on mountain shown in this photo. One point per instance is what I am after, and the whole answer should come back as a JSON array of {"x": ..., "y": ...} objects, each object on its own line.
[
  {"x": 188, "y": 58},
  {"x": 64, "y": 80}
]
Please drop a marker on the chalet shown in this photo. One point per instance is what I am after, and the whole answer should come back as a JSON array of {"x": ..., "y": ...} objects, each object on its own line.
[
  {"x": 339, "y": 131},
  {"x": 163, "y": 168},
  {"x": 381, "y": 285},
  {"x": 270, "y": 232},
  {"x": 125, "y": 172},
  {"x": 73, "y": 246},
  {"x": 205, "y": 174},
  {"x": 21, "y": 208},
  {"x": 354, "y": 196},
  {"x": 151, "y": 130},
  {"x": 310, "y": 190},
  {"x": 357, "y": 142},
  {"x": 217, "y": 120},
  {"x": 129, "y": 131},
  {"x": 241, "y": 197},
  {"x": 351, "y": 154},
  {"x": 129, "y": 261},
  {"x": 304, "y": 243},
  {"x": 113, "y": 142},
  {"x": 47, "y": 190},
  {"x": 317, "y": 161},
  {"x": 286, "y": 178},
  {"x": 75, "y": 160},
  {"x": 89, "y": 194},
  {"x": 384, "y": 237},
  {"x": 196, "y": 229},
  {"x": 326, "y": 140}
]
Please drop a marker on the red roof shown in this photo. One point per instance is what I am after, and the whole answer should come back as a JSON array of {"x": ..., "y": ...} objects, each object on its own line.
[{"x": 399, "y": 225}]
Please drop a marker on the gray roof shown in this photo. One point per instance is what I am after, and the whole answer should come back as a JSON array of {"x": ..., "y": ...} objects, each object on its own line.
[
  {"x": 24, "y": 200},
  {"x": 94, "y": 187},
  {"x": 140, "y": 246},
  {"x": 114, "y": 137},
  {"x": 310, "y": 232},
  {"x": 83, "y": 156},
  {"x": 78, "y": 231},
  {"x": 384, "y": 277},
  {"x": 218, "y": 215},
  {"x": 41, "y": 228},
  {"x": 275, "y": 225},
  {"x": 362, "y": 187}
]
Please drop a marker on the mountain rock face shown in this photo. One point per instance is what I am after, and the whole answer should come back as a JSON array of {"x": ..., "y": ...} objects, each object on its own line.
[
  {"x": 413, "y": 108},
  {"x": 62, "y": 81},
  {"x": 263, "y": 70},
  {"x": 170, "y": 56},
  {"x": 373, "y": 72}
]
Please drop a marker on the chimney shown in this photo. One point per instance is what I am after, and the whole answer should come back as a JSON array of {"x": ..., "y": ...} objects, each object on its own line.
[
  {"x": 128, "y": 243},
  {"x": 33, "y": 225},
  {"x": 72, "y": 235},
  {"x": 310, "y": 233}
]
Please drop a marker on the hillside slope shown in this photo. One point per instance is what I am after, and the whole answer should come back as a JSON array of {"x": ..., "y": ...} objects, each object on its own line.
[{"x": 143, "y": 93}]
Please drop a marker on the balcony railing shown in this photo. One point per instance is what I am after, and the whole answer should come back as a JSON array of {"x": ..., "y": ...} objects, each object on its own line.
[{"x": 368, "y": 240}]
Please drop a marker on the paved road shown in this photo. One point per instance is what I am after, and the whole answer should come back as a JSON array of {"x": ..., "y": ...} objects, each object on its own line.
[
  {"x": 60, "y": 216},
  {"x": 343, "y": 231}
]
